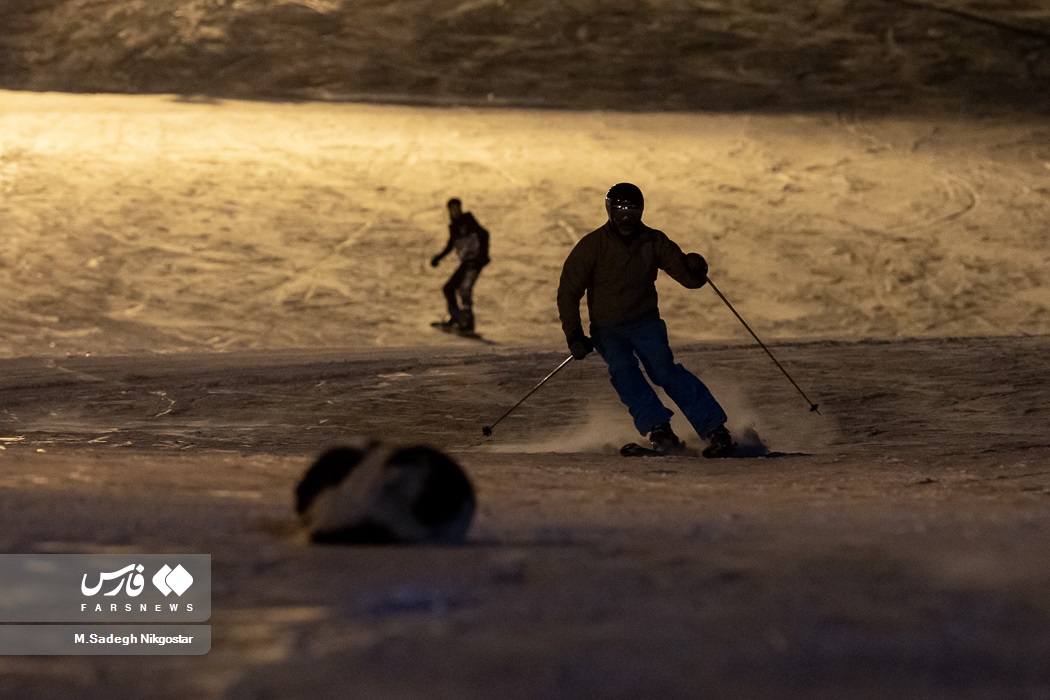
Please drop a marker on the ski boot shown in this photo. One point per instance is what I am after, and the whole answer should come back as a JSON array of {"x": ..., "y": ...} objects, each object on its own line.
[
  {"x": 664, "y": 441},
  {"x": 720, "y": 443}
]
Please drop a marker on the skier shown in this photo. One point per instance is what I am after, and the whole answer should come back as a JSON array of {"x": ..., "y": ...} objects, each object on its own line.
[
  {"x": 616, "y": 266},
  {"x": 471, "y": 243}
]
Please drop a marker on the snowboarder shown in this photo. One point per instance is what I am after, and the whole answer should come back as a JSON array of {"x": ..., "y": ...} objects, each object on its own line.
[
  {"x": 471, "y": 243},
  {"x": 616, "y": 266}
]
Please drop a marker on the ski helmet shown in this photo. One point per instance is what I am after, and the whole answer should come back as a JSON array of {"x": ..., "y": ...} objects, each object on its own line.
[
  {"x": 625, "y": 193},
  {"x": 624, "y": 204}
]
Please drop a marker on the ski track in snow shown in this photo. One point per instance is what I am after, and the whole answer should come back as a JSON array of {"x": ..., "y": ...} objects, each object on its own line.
[{"x": 137, "y": 224}]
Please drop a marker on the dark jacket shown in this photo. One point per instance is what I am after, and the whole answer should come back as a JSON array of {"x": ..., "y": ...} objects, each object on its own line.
[
  {"x": 469, "y": 239},
  {"x": 619, "y": 279}
]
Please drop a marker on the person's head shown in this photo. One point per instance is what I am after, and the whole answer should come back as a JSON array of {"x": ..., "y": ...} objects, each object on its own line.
[
  {"x": 455, "y": 208},
  {"x": 624, "y": 203}
]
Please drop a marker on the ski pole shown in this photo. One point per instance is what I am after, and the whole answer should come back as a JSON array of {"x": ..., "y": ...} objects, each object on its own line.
[
  {"x": 812, "y": 406},
  {"x": 487, "y": 430}
]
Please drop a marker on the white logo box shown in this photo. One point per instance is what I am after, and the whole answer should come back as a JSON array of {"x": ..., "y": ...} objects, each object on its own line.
[{"x": 112, "y": 588}]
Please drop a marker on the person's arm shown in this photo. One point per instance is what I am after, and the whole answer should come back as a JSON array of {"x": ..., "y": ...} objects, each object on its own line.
[
  {"x": 576, "y": 276},
  {"x": 483, "y": 233},
  {"x": 436, "y": 260},
  {"x": 690, "y": 270},
  {"x": 483, "y": 239}
]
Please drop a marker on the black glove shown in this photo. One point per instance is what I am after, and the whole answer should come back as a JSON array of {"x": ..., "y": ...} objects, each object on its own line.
[
  {"x": 697, "y": 267},
  {"x": 579, "y": 345},
  {"x": 435, "y": 261}
]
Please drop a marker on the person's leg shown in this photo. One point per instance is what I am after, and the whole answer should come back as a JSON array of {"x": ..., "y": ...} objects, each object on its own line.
[
  {"x": 466, "y": 298},
  {"x": 690, "y": 394},
  {"x": 449, "y": 290},
  {"x": 627, "y": 379}
]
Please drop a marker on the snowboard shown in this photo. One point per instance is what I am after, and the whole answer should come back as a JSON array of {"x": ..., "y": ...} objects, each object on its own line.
[{"x": 452, "y": 330}]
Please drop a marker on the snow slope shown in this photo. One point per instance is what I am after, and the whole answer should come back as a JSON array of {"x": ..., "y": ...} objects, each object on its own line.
[{"x": 148, "y": 224}]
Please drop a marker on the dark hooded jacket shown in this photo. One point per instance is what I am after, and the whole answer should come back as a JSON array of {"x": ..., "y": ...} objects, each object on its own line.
[
  {"x": 470, "y": 241},
  {"x": 618, "y": 278}
]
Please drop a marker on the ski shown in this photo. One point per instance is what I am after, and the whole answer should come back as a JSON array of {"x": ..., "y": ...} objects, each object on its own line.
[{"x": 633, "y": 449}]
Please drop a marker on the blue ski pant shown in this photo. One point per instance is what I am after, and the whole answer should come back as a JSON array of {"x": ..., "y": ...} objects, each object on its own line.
[{"x": 622, "y": 348}]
